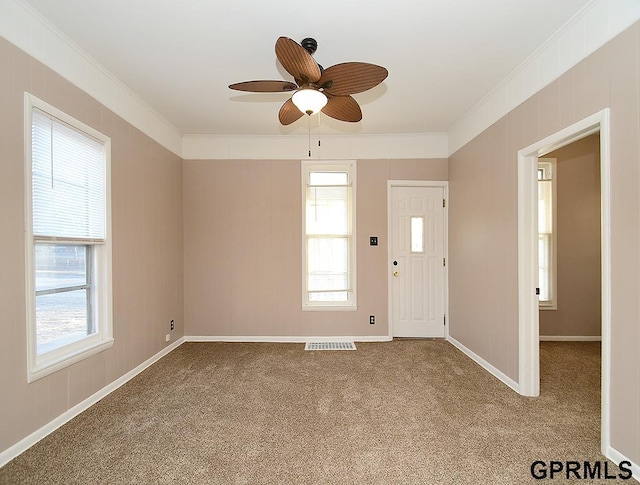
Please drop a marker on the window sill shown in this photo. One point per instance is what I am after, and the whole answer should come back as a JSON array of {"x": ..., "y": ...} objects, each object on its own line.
[
  {"x": 547, "y": 307},
  {"x": 329, "y": 308},
  {"x": 49, "y": 366}
]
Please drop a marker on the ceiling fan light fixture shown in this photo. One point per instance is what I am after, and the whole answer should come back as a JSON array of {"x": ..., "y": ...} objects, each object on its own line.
[
  {"x": 316, "y": 89},
  {"x": 309, "y": 100}
]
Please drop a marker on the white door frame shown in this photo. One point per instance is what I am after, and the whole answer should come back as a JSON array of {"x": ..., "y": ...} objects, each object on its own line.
[
  {"x": 418, "y": 183},
  {"x": 529, "y": 338}
]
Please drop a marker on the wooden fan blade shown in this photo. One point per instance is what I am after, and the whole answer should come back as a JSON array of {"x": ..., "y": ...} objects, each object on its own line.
[
  {"x": 297, "y": 61},
  {"x": 289, "y": 113},
  {"x": 351, "y": 78},
  {"x": 343, "y": 108},
  {"x": 264, "y": 86}
]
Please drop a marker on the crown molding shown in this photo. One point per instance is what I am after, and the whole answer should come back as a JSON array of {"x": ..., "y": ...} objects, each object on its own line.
[
  {"x": 297, "y": 147},
  {"x": 596, "y": 24},
  {"x": 28, "y": 30},
  {"x": 592, "y": 27}
]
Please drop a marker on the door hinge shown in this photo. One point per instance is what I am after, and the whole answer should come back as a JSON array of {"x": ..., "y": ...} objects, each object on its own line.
[
  {"x": 444, "y": 204},
  {"x": 445, "y": 320},
  {"x": 444, "y": 261},
  {"x": 537, "y": 291}
]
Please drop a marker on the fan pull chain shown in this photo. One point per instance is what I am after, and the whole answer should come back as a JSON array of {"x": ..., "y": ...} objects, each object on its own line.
[
  {"x": 309, "y": 134},
  {"x": 309, "y": 137},
  {"x": 320, "y": 154},
  {"x": 310, "y": 145}
]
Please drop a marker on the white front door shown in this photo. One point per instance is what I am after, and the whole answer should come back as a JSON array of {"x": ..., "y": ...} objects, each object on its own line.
[{"x": 417, "y": 261}]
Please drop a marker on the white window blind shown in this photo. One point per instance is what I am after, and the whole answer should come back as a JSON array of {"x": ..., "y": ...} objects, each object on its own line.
[
  {"x": 68, "y": 182},
  {"x": 68, "y": 246}
]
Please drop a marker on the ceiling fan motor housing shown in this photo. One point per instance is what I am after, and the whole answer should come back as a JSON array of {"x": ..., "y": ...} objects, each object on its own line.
[{"x": 310, "y": 45}]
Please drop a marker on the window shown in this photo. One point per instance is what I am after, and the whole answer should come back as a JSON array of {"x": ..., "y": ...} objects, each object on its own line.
[
  {"x": 417, "y": 234},
  {"x": 68, "y": 246},
  {"x": 546, "y": 234},
  {"x": 329, "y": 242}
]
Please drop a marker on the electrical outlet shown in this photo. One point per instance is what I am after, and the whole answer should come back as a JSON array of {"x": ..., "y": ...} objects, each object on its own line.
[
  {"x": 172, "y": 325},
  {"x": 167, "y": 337},
  {"x": 372, "y": 319}
]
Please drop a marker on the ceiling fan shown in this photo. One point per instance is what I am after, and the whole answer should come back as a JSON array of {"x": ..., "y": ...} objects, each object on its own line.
[{"x": 315, "y": 88}]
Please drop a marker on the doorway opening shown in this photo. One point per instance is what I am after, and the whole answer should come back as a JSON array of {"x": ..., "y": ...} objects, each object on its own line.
[
  {"x": 569, "y": 251},
  {"x": 529, "y": 338},
  {"x": 569, "y": 242}
]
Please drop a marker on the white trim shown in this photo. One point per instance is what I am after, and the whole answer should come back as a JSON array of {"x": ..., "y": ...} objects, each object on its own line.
[
  {"x": 283, "y": 339},
  {"x": 10, "y": 453},
  {"x": 445, "y": 293},
  {"x": 350, "y": 167},
  {"x": 592, "y": 27},
  {"x": 552, "y": 304},
  {"x": 326, "y": 307},
  {"x": 20, "y": 447},
  {"x": 46, "y": 363},
  {"x": 570, "y": 338},
  {"x": 617, "y": 457},
  {"x": 42, "y": 368},
  {"x": 529, "y": 356},
  {"x": 596, "y": 24},
  {"x": 295, "y": 147},
  {"x": 26, "y": 28},
  {"x": 485, "y": 365}
]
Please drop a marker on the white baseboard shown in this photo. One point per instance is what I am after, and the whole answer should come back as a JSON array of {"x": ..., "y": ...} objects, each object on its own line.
[
  {"x": 570, "y": 338},
  {"x": 24, "y": 444},
  {"x": 486, "y": 365},
  {"x": 617, "y": 457},
  {"x": 10, "y": 453},
  {"x": 284, "y": 339}
]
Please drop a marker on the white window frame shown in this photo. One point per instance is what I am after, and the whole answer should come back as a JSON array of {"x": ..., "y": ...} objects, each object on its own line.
[
  {"x": 348, "y": 166},
  {"x": 549, "y": 167},
  {"x": 45, "y": 363}
]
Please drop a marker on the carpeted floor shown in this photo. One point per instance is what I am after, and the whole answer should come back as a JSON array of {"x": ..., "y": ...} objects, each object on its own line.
[{"x": 407, "y": 411}]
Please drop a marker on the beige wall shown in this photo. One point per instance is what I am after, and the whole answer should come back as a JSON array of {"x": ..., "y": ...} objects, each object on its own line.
[
  {"x": 243, "y": 260},
  {"x": 241, "y": 257},
  {"x": 147, "y": 250},
  {"x": 483, "y": 302},
  {"x": 579, "y": 306}
]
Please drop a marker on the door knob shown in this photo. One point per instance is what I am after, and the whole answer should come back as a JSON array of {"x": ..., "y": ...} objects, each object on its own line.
[{"x": 395, "y": 273}]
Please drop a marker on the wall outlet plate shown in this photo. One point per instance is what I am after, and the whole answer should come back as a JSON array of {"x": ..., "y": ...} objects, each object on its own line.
[
  {"x": 167, "y": 337},
  {"x": 373, "y": 240}
]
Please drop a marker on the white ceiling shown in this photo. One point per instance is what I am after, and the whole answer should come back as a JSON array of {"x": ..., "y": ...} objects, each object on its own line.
[{"x": 443, "y": 56}]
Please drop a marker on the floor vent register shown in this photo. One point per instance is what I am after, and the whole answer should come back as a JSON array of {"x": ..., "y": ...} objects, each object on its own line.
[{"x": 330, "y": 346}]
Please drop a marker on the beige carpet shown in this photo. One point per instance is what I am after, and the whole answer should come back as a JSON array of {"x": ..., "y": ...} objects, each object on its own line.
[{"x": 408, "y": 411}]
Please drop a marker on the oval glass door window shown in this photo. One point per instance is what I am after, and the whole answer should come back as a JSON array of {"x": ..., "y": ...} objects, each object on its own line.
[{"x": 417, "y": 234}]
